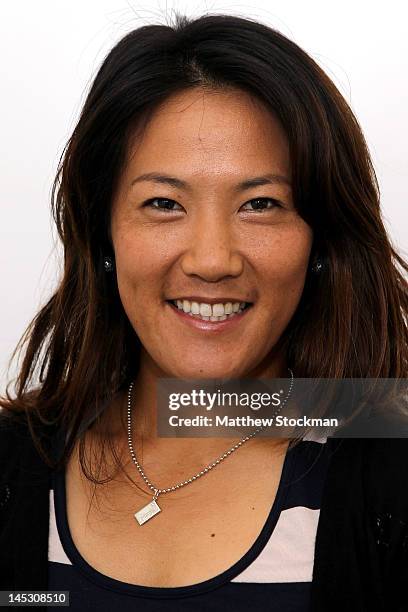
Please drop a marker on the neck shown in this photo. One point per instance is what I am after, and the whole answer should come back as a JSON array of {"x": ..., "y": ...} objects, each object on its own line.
[
  {"x": 153, "y": 451},
  {"x": 144, "y": 415}
]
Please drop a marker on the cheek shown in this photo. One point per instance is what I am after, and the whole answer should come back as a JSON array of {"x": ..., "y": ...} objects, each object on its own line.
[
  {"x": 283, "y": 264},
  {"x": 142, "y": 267},
  {"x": 141, "y": 263}
]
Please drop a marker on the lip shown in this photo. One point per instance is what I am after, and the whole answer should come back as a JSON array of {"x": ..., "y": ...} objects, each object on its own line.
[
  {"x": 211, "y": 326},
  {"x": 208, "y": 300}
]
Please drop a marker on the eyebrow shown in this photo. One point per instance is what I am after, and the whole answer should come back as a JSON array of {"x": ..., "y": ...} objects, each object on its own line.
[{"x": 256, "y": 181}]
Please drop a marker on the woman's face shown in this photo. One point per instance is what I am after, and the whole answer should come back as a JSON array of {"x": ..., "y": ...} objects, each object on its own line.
[{"x": 204, "y": 231}]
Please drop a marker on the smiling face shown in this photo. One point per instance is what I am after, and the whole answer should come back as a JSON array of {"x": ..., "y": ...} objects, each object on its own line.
[{"x": 209, "y": 236}]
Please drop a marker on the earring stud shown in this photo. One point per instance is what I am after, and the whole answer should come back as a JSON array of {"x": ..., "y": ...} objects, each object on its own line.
[
  {"x": 317, "y": 266},
  {"x": 108, "y": 264}
]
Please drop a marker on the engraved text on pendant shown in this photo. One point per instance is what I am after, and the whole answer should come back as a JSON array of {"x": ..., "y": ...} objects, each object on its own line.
[{"x": 147, "y": 512}]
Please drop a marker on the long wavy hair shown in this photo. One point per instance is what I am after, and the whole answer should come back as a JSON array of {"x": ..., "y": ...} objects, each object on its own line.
[{"x": 80, "y": 348}]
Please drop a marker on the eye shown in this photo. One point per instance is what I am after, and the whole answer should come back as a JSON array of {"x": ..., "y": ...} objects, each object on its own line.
[
  {"x": 167, "y": 204},
  {"x": 261, "y": 204}
]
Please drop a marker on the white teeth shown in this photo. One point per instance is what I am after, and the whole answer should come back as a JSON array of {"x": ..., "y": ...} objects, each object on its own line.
[
  {"x": 208, "y": 312},
  {"x": 186, "y": 306},
  {"x": 205, "y": 310},
  {"x": 195, "y": 308},
  {"x": 218, "y": 310}
]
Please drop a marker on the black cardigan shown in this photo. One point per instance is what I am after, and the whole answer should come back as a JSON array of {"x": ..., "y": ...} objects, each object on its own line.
[{"x": 361, "y": 549}]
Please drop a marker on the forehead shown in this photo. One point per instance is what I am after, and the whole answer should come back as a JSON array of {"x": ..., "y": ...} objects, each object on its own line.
[{"x": 209, "y": 133}]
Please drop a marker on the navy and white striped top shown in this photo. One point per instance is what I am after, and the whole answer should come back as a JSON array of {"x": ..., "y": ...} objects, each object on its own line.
[{"x": 274, "y": 574}]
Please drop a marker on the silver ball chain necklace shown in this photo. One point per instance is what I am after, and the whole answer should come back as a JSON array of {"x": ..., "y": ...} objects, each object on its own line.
[{"x": 152, "y": 508}]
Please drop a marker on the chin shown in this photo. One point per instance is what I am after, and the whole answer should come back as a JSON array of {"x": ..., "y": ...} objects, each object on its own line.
[{"x": 203, "y": 372}]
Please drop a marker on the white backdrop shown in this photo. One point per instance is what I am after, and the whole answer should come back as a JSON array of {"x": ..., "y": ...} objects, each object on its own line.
[{"x": 49, "y": 52}]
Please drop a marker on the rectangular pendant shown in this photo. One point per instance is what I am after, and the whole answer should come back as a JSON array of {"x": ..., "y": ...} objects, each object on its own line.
[{"x": 147, "y": 512}]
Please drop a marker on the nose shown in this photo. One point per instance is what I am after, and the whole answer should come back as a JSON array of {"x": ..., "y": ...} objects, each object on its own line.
[{"x": 212, "y": 252}]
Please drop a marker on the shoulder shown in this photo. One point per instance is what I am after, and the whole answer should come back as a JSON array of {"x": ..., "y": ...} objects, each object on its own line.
[
  {"x": 14, "y": 432},
  {"x": 366, "y": 491},
  {"x": 374, "y": 470},
  {"x": 19, "y": 454},
  {"x": 383, "y": 453},
  {"x": 385, "y": 464},
  {"x": 378, "y": 457},
  {"x": 387, "y": 451}
]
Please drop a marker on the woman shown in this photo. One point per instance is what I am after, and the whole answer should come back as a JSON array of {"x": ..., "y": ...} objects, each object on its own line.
[{"x": 220, "y": 219}]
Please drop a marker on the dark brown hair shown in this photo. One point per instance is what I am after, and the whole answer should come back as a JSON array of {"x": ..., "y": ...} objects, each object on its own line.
[{"x": 352, "y": 318}]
